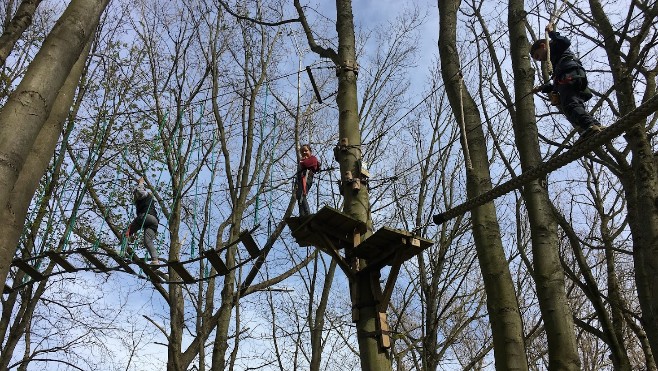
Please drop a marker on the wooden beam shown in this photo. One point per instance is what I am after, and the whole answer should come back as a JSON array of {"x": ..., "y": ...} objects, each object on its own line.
[
  {"x": 28, "y": 269},
  {"x": 248, "y": 241},
  {"x": 182, "y": 272},
  {"x": 331, "y": 250},
  {"x": 57, "y": 258},
  {"x": 122, "y": 263},
  {"x": 216, "y": 261},
  {"x": 390, "y": 281},
  {"x": 146, "y": 268},
  {"x": 93, "y": 260}
]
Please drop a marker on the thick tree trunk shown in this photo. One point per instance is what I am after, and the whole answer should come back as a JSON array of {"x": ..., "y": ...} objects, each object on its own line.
[
  {"x": 549, "y": 276},
  {"x": 504, "y": 314},
  {"x": 643, "y": 218},
  {"x": 13, "y": 215},
  {"x": 356, "y": 203},
  {"x": 224, "y": 315},
  {"x": 28, "y": 108}
]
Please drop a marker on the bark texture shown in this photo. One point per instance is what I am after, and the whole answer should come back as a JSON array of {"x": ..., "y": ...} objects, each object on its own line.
[
  {"x": 28, "y": 108},
  {"x": 503, "y": 310},
  {"x": 548, "y": 273}
]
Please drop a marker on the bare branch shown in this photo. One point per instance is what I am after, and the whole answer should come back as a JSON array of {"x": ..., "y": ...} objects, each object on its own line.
[
  {"x": 254, "y": 20},
  {"x": 323, "y": 52}
]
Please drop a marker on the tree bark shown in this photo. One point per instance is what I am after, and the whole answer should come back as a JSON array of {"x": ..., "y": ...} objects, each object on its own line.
[
  {"x": 13, "y": 215},
  {"x": 504, "y": 314},
  {"x": 548, "y": 273},
  {"x": 13, "y": 31},
  {"x": 356, "y": 201},
  {"x": 643, "y": 217},
  {"x": 29, "y": 107}
]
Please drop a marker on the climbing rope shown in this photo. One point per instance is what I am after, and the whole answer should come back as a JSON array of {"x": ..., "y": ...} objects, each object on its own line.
[
  {"x": 555, "y": 14},
  {"x": 462, "y": 124}
]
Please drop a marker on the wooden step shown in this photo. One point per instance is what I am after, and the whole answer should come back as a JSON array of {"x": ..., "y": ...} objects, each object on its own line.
[
  {"x": 93, "y": 260},
  {"x": 147, "y": 269},
  {"x": 122, "y": 262},
  {"x": 216, "y": 261},
  {"x": 249, "y": 243},
  {"x": 182, "y": 272},
  {"x": 28, "y": 269},
  {"x": 61, "y": 261}
]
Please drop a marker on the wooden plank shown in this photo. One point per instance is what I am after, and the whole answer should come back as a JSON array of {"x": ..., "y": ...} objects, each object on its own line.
[
  {"x": 122, "y": 262},
  {"x": 182, "y": 272},
  {"x": 28, "y": 269},
  {"x": 93, "y": 260},
  {"x": 146, "y": 268},
  {"x": 216, "y": 261},
  {"x": 384, "y": 337},
  {"x": 336, "y": 225},
  {"x": 7, "y": 289},
  {"x": 384, "y": 244},
  {"x": 61, "y": 261},
  {"x": 248, "y": 241}
]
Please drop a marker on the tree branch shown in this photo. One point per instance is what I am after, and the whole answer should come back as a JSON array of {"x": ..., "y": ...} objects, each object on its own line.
[
  {"x": 263, "y": 23},
  {"x": 323, "y": 52}
]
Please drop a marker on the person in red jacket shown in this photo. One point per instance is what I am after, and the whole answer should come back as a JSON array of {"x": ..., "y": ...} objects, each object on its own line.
[{"x": 308, "y": 166}]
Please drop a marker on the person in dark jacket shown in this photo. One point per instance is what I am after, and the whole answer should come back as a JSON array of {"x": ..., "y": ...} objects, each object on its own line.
[
  {"x": 147, "y": 219},
  {"x": 568, "y": 90},
  {"x": 308, "y": 166}
]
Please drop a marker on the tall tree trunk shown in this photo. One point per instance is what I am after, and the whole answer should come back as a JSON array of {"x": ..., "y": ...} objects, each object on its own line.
[
  {"x": 548, "y": 273},
  {"x": 357, "y": 202},
  {"x": 643, "y": 219},
  {"x": 504, "y": 314},
  {"x": 29, "y": 107},
  {"x": 13, "y": 31},
  {"x": 13, "y": 215}
]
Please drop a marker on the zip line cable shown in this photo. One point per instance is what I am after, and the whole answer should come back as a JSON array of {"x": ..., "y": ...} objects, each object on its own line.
[{"x": 188, "y": 104}]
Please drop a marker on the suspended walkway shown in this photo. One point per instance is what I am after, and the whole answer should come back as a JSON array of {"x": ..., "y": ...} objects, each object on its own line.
[{"x": 105, "y": 261}]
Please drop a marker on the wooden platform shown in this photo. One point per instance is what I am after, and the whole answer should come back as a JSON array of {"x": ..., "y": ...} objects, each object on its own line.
[
  {"x": 388, "y": 245},
  {"x": 337, "y": 226}
]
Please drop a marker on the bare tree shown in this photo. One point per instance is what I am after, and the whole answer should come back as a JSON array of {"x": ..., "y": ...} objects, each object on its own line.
[
  {"x": 502, "y": 306},
  {"x": 29, "y": 107}
]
